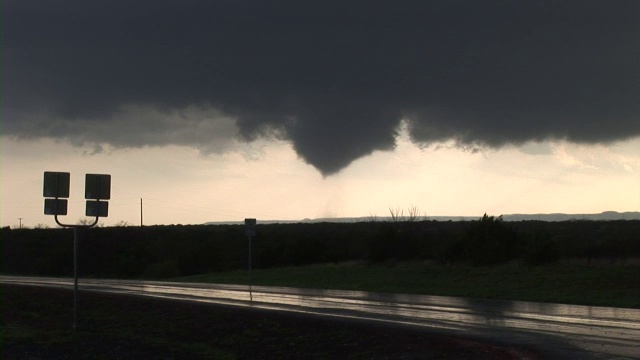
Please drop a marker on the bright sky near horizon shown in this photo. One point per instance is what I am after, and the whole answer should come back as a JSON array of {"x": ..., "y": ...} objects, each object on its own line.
[
  {"x": 267, "y": 180},
  {"x": 285, "y": 110}
]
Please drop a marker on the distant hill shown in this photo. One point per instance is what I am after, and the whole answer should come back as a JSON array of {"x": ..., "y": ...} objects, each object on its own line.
[{"x": 607, "y": 215}]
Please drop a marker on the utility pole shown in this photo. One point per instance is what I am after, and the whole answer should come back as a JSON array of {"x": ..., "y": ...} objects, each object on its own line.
[
  {"x": 20, "y": 222},
  {"x": 140, "y": 212}
]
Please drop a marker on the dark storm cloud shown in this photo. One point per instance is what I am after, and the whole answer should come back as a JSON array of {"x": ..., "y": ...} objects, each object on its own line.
[{"x": 334, "y": 78}]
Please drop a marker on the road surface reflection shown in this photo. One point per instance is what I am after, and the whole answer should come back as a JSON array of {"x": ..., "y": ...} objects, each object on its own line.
[{"x": 598, "y": 330}]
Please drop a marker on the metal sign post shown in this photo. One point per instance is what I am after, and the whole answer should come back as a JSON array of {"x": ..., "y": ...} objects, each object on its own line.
[
  {"x": 250, "y": 231},
  {"x": 97, "y": 189}
]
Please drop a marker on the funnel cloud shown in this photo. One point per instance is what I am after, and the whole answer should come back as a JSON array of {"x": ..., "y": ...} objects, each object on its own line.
[{"x": 336, "y": 79}]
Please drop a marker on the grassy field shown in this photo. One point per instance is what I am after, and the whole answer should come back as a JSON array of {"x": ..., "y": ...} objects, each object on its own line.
[{"x": 614, "y": 285}]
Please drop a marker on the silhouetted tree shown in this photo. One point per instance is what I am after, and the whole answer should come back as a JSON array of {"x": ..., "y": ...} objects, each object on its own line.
[{"x": 490, "y": 241}]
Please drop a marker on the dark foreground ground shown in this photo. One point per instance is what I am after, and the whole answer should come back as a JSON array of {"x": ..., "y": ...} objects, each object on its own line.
[{"x": 37, "y": 324}]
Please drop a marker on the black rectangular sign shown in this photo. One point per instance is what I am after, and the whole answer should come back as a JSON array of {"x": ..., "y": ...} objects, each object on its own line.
[{"x": 55, "y": 206}]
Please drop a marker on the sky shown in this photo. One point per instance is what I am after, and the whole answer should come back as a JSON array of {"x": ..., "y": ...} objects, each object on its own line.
[{"x": 222, "y": 110}]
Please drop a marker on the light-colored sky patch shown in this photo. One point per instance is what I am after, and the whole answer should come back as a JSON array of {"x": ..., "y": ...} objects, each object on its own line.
[{"x": 266, "y": 179}]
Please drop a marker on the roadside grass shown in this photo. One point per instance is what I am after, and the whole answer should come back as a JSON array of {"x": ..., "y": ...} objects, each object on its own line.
[
  {"x": 613, "y": 285},
  {"x": 106, "y": 329}
]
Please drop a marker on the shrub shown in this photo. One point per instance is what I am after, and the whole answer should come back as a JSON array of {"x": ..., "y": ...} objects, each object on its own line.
[{"x": 489, "y": 241}]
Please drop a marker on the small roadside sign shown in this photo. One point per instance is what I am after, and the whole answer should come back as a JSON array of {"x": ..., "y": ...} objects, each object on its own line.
[
  {"x": 250, "y": 227},
  {"x": 97, "y": 186},
  {"x": 55, "y": 207},
  {"x": 56, "y": 184},
  {"x": 97, "y": 208}
]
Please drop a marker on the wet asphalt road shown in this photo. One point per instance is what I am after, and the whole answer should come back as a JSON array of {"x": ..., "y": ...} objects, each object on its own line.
[{"x": 572, "y": 331}]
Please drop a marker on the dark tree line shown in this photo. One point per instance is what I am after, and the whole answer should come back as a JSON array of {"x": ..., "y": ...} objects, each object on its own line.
[{"x": 167, "y": 251}]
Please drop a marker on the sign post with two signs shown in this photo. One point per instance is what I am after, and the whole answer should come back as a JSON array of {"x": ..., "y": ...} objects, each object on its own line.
[
  {"x": 250, "y": 231},
  {"x": 97, "y": 187},
  {"x": 56, "y": 191},
  {"x": 56, "y": 186}
]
